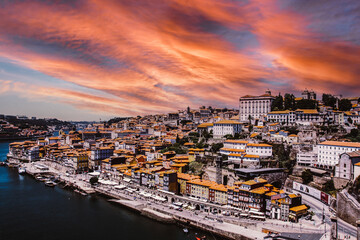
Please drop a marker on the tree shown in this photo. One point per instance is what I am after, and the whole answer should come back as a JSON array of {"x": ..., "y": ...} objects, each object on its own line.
[
  {"x": 215, "y": 147},
  {"x": 277, "y": 103},
  {"x": 306, "y": 104},
  {"x": 289, "y": 103},
  {"x": 345, "y": 105},
  {"x": 195, "y": 167},
  {"x": 350, "y": 120},
  {"x": 93, "y": 180},
  {"x": 329, "y": 186},
  {"x": 307, "y": 176},
  {"x": 329, "y": 100}
]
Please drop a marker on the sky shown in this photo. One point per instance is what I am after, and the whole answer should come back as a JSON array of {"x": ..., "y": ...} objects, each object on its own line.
[{"x": 97, "y": 59}]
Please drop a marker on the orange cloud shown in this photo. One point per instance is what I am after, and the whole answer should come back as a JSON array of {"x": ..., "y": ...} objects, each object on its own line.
[{"x": 164, "y": 55}]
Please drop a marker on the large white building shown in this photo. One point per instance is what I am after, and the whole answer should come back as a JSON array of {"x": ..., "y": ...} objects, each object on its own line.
[
  {"x": 330, "y": 151},
  {"x": 298, "y": 116},
  {"x": 242, "y": 153},
  {"x": 255, "y": 106},
  {"x": 226, "y": 127},
  {"x": 285, "y": 117}
]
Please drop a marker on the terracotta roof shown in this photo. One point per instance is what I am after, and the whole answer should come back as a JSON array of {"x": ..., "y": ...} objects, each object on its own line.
[{"x": 342, "y": 144}]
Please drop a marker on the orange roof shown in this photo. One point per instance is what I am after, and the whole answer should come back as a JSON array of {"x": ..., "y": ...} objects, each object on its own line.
[
  {"x": 236, "y": 141},
  {"x": 258, "y": 145},
  {"x": 342, "y": 144},
  {"x": 251, "y": 156},
  {"x": 232, "y": 150},
  {"x": 227, "y": 122}
]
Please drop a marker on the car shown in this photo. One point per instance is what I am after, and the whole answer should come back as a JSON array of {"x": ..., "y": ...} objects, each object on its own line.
[
  {"x": 219, "y": 220},
  {"x": 179, "y": 209}
]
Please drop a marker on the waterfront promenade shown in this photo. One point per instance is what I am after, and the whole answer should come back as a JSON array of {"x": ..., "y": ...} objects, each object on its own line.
[{"x": 229, "y": 226}]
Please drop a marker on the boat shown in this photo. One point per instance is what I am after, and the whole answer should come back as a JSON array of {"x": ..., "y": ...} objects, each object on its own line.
[
  {"x": 21, "y": 170},
  {"x": 39, "y": 178},
  {"x": 50, "y": 184},
  {"x": 185, "y": 230}
]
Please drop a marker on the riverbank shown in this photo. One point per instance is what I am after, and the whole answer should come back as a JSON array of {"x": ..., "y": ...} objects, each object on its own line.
[{"x": 157, "y": 211}]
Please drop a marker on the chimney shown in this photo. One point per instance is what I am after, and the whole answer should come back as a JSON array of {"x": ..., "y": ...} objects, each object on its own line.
[
  {"x": 358, "y": 229},
  {"x": 334, "y": 230}
]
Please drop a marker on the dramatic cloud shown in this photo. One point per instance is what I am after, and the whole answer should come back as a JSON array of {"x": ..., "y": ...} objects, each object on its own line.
[{"x": 156, "y": 56}]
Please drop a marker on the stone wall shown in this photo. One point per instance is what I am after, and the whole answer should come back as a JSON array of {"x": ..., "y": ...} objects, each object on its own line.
[
  {"x": 347, "y": 208},
  {"x": 340, "y": 182}
]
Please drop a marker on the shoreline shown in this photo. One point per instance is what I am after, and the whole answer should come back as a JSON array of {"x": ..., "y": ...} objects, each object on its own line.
[{"x": 154, "y": 212}]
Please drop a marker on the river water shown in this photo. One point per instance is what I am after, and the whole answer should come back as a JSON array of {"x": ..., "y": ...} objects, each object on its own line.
[{"x": 30, "y": 210}]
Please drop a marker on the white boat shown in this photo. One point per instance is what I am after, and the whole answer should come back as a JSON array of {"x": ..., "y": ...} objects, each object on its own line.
[
  {"x": 50, "y": 184},
  {"x": 185, "y": 230},
  {"x": 21, "y": 170}
]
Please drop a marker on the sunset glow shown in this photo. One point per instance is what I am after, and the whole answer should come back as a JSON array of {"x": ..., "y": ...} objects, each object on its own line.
[{"x": 126, "y": 58}]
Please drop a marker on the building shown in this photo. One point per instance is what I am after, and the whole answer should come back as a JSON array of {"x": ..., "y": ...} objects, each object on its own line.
[
  {"x": 284, "y": 117},
  {"x": 260, "y": 149},
  {"x": 306, "y": 158},
  {"x": 254, "y": 106},
  {"x": 218, "y": 194},
  {"x": 226, "y": 127},
  {"x": 307, "y": 116},
  {"x": 80, "y": 162},
  {"x": 182, "y": 179},
  {"x": 308, "y": 95},
  {"x": 170, "y": 182},
  {"x": 347, "y": 162},
  {"x": 199, "y": 188},
  {"x": 99, "y": 154},
  {"x": 330, "y": 151}
]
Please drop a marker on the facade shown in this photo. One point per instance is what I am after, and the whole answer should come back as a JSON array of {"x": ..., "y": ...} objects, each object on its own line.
[
  {"x": 170, "y": 182},
  {"x": 310, "y": 95},
  {"x": 226, "y": 127},
  {"x": 306, "y": 158},
  {"x": 345, "y": 168},
  {"x": 99, "y": 154},
  {"x": 307, "y": 116},
  {"x": 254, "y": 106},
  {"x": 330, "y": 151},
  {"x": 284, "y": 117}
]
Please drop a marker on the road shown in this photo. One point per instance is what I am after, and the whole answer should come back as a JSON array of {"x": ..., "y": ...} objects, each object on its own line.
[{"x": 318, "y": 208}]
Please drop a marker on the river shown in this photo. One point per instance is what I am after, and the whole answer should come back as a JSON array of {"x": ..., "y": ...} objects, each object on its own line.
[{"x": 30, "y": 210}]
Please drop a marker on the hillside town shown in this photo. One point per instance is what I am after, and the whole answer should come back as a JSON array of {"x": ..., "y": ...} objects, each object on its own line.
[{"x": 256, "y": 162}]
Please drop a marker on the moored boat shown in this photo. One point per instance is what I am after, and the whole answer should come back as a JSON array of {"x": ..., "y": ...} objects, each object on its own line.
[
  {"x": 21, "y": 170},
  {"x": 50, "y": 184}
]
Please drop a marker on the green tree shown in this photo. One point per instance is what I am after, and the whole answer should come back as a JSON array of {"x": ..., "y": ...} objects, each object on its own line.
[
  {"x": 215, "y": 147},
  {"x": 307, "y": 176},
  {"x": 306, "y": 104},
  {"x": 329, "y": 186},
  {"x": 289, "y": 103},
  {"x": 277, "y": 103},
  {"x": 329, "y": 100},
  {"x": 345, "y": 105}
]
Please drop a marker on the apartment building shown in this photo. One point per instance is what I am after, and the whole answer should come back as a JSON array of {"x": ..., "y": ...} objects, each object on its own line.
[
  {"x": 330, "y": 151},
  {"x": 226, "y": 127}
]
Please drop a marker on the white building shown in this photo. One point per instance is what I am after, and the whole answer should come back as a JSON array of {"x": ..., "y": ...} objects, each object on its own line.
[
  {"x": 345, "y": 169},
  {"x": 329, "y": 152},
  {"x": 254, "y": 106},
  {"x": 306, "y": 158},
  {"x": 226, "y": 127},
  {"x": 307, "y": 116},
  {"x": 260, "y": 149},
  {"x": 285, "y": 117}
]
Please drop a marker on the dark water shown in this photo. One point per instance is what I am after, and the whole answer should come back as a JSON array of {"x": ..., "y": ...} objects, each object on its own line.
[{"x": 29, "y": 210}]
